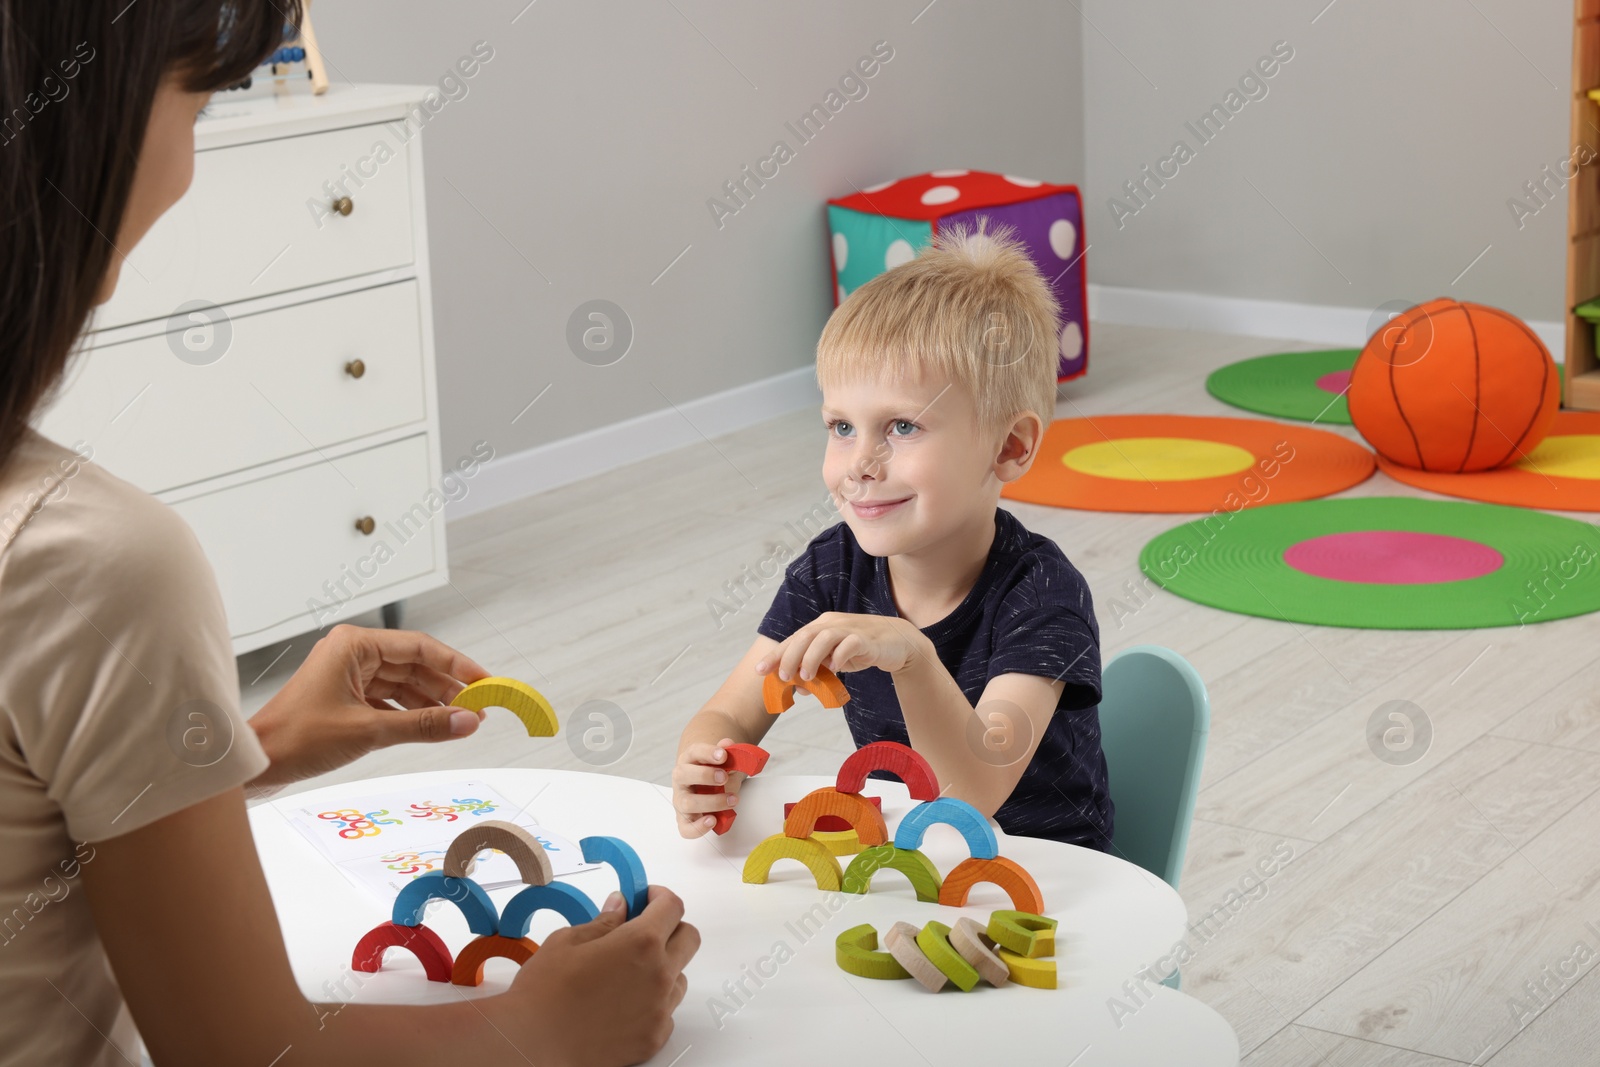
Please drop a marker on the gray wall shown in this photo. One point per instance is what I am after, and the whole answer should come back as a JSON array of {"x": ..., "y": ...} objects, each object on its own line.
[
  {"x": 1382, "y": 156},
  {"x": 592, "y": 140}
]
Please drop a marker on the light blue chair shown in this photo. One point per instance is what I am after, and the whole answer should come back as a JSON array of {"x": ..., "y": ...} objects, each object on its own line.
[{"x": 1154, "y": 718}]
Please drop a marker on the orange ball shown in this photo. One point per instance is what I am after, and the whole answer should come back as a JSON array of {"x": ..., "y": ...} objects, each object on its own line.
[{"x": 1454, "y": 387}]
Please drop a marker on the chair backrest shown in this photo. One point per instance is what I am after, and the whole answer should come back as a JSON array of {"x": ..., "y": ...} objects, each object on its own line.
[{"x": 1154, "y": 717}]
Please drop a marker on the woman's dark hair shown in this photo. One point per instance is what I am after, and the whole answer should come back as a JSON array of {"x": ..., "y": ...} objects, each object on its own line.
[{"x": 77, "y": 82}]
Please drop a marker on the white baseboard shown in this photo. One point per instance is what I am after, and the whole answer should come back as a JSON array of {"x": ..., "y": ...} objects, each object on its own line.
[
  {"x": 571, "y": 459},
  {"x": 1341, "y": 327}
]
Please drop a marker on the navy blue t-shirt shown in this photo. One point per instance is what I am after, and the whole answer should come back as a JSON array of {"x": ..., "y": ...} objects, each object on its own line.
[{"x": 1028, "y": 613}]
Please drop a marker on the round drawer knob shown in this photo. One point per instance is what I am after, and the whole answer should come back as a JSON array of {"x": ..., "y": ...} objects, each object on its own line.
[
  {"x": 344, "y": 205},
  {"x": 366, "y": 525},
  {"x": 355, "y": 368}
]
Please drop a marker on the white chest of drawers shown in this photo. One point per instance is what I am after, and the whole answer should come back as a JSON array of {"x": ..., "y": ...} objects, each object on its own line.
[{"x": 266, "y": 366}]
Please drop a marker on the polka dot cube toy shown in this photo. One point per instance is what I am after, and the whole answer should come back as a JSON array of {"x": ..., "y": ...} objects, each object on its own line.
[{"x": 883, "y": 226}]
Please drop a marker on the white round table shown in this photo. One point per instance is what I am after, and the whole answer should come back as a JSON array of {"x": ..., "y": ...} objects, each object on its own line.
[{"x": 745, "y": 1006}]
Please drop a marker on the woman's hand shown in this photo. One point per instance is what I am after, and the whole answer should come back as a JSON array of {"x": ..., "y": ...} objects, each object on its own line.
[
  {"x": 603, "y": 992},
  {"x": 336, "y": 706},
  {"x": 846, "y": 642}
]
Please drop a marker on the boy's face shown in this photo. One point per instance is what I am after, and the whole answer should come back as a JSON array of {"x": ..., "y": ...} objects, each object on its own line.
[{"x": 906, "y": 462}]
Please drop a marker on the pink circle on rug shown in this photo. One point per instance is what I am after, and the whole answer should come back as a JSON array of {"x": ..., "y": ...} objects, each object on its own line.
[
  {"x": 1393, "y": 557},
  {"x": 1336, "y": 382}
]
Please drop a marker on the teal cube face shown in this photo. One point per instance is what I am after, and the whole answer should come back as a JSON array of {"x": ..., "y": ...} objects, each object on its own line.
[{"x": 865, "y": 246}]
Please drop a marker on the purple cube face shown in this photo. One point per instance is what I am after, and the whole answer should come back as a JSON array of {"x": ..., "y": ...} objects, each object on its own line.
[{"x": 1052, "y": 229}]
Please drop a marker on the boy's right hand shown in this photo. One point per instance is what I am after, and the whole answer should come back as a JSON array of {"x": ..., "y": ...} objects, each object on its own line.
[
  {"x": 603, "y": 992},
  {"x": 700, "y": 764}
]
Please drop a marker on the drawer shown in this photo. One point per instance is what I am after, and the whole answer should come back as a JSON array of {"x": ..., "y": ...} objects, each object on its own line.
[
  {"x": 281, "y": 388},
  {"x": 254, "y": 222},
  {"x": 283, "y": 545}
]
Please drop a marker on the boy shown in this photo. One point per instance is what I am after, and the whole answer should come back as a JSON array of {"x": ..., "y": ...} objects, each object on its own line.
[{"x": 954, "y": 629}]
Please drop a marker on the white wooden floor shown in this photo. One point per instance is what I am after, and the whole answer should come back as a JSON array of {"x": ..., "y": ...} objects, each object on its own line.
[{"x": 1421, "y": 899}]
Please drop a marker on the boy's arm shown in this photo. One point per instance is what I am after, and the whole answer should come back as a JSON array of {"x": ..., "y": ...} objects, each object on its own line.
[
  {"x": 734, "y": 714},
  {"x": 978, "y": 755}
]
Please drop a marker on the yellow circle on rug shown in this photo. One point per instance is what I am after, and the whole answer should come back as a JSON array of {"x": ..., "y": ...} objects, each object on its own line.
[
  {"x": 1568, "y": 455},
  {"x": 1158, "y": 459}
]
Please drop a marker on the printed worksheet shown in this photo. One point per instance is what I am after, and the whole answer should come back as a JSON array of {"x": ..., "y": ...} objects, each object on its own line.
[{"x": 381, "y": 841}]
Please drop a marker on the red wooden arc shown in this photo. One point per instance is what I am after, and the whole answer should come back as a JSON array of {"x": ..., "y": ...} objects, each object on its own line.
[
  {"x": 469, "y": 965},
  {"x": 747, "y": 760},
  {"x": 420, "y": 941},
  {"x": 899, "y": 760},
  {"x": 1007, "y": 874},
  {"x": 863, "y": 818}
]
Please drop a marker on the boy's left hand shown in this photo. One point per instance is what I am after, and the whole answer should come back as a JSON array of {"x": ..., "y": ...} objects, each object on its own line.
[{"x": 846, "y": 642}]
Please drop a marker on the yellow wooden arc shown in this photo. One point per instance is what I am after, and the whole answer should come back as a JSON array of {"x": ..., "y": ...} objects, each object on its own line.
[
  {"x": 519, "y": 698},
  {"x": 1040, "y": 974},
  {"x": 808, "y": 851}
]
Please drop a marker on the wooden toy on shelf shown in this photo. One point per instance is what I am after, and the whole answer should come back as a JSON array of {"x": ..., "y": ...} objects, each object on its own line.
[
  {"x": 744, "y": 759},
  {"x": 519, "y": 698},
  {"x": 967, "y": 938},
  {"x": 532, "y": 861},
  {"x": 481, "y": 915},
  {"x": 901, "y": 941},
  {"x": 854, "y": 809},
  {"x": 1007, "y": 874},
  {"x": 832, "y": 823},
  {"x": 778, "y": 695},
  {"x": 856, "y": 951},
  {"x": 981, "y": 842},
  {"x": 428, "y": 947},
  {"x": 468, "y": 969},
  {"x": 934, "y": 941},
  {"x": 924, "y": 876},
  {"x": 570, "y": 903},
  {"x": 1026, "y": 934},
  {"x": 621, "y": 858},
  {"x": 1040, "y": 974},
  {"x": 899, "y": 760},
  {"x": 808, "y": 850}
]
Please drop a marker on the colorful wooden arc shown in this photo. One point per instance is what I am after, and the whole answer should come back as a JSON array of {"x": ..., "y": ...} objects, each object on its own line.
[
  {"x": 620, "y": 857},
  {"x": 409, "y": 904},
  {"x": 854, "y": 809},
  {"x": 1007, "y": 874},
  {"x": 519, "y": 698},
  {"x": 832, "y": 823},
  {"x": 981, "y": 842},
  {"x": 838, "y": 842},
  {"x": 1040, "y": 974},
  {"x": 966, "y": 937},
  {"x": 427, "y": 946},
  {"x": 1025, "y": 933},
  {"x": 934, "y": 941},
  {"x": 914, "y": 865},
  {"x": 572, "y": 904},
  {"x": 533, "y": 863},
  {"x": 469, "y": 965},
  {"x": 856, "y": 952},
  {"x": 899, "y": 760},
  {"x": 778, "y": 695},
  {"x": 744, "y": 759},
  {"x": 901, "y": 941},
  {"x": 824, "y": 868}
]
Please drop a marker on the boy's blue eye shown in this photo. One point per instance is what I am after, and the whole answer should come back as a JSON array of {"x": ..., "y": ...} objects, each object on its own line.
[
  {"x": 904, "y": 427},
  {"x": 842, "y": 429}
]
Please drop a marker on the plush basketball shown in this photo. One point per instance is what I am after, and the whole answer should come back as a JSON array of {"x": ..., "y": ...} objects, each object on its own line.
[{"x": 1454, "y": 387}]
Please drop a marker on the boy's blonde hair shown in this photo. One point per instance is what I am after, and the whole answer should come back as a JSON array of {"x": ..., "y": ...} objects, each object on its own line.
[{"x": 971, "y": 307}]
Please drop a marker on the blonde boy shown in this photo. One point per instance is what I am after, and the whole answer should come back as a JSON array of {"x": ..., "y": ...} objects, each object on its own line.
[{"x": 955, "y": 629}]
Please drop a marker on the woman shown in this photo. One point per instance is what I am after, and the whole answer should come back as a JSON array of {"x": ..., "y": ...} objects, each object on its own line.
[{"x": 118, "y": 850}]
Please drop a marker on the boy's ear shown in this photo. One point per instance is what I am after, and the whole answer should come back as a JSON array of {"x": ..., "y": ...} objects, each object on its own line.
[{"x": 1020, "y": 447}]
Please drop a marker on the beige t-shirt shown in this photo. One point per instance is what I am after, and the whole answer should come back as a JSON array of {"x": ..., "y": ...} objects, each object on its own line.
[{"x": 119, "y": 705}]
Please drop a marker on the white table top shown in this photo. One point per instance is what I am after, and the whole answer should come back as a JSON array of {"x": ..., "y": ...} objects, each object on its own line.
[{"x": 1115, "y": 920}]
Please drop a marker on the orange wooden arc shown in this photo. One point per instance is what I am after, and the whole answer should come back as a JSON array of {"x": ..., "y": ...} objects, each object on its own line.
[
  {"x": 469, "y": 965},
  {"x": 778, "y": 695},
  {"x": 902, "y": 761},
  {"x": 864, "y": 819},
  {"x": 1007, "y": 874},
  {"x": 421, "y": 942}
]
